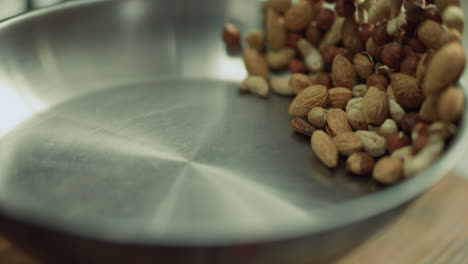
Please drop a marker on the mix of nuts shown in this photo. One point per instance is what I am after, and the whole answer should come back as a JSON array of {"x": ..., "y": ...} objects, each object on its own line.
[{"x": 374, "y": 81}]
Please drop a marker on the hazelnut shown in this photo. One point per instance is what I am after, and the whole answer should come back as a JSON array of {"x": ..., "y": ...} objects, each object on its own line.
[
  {"x": 417, "y": 45},
  {"x": 328, "y": 54},
  {"x": 345, "y": 8},
  {"x": 409, "y": 120},
  {"x": 292, "y": 40},
  {"x": 377, "y": 80},
  {"x": 313, "y": 35},
  {"x": 396, "y": 141},
  {"x": 365, "y": 31},
  {"x": 363, "y": 64},
  {"x": 380, "y": 35},
  {"x": 360, "y": 163},
  {"x": 414, "y": 12},
  {"x": 388, "y": 127},
  {"x": 409, "y": 65},
  {"x": 231, "y": 36},
  {"x": 317, "y": 117},
  {"x": 323, "y": 78},
  {"x": 392, "y": 55},
  {"x": 297, "y": 66},
  {"x": 433, "y": 14},
  {"x": 325, "y": 18}
]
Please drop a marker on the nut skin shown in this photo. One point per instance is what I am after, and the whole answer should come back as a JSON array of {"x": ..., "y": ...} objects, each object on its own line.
[
  {"x": 360, "y": 163},
  {"x": 297, "y": 66},
  {"x": 396, "y": 141},
  {"x": 388, "y": 170},
  {"x": 323, "y": 78},
  {"x": 324, "y": 148},
  {"x": 364, "y": 64},
  {"x": 451, "y": 104},
  {"x": 344, "y": 52},
  {"x": 433, "y": 14},
  {"x": 347, "y": 143},
  {"x": 409, "y": 120},
  {"x": 313, "y": 35},
  {"x": 328, "y": 54},
  {"x": 377, "y": 80},
  {"x": 299, "y": 82},
  {"x": 231, "y": 36},
  {"x": 302, "y": 127},
  {"x": 380, "y": 35},
  {"x": 325, "y": 18},
  {"x": 419, "y": 143},
  {"x": 409, "y": 65},
  {"x": 417, "y": 45},
  {"x": 343, "y": 72},
  {"x": 365, "y": 31},
  {"x": 420, "y": 129},
  {"x": 345, "y": 8},
  {"x": 292, "y": 39},
  {"x": 392, "y": 55}
]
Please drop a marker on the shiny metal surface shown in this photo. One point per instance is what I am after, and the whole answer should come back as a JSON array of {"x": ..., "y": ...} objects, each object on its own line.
[{"x": 121, "y": 121}]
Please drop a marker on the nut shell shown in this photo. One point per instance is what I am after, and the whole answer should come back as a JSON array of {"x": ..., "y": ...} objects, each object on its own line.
[
  {"x": 375, "y": 106},
  {"x": 315, "y": 95}
]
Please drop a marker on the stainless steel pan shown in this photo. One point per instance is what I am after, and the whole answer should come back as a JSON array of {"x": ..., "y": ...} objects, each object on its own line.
[{"x": 121, "y": 123}]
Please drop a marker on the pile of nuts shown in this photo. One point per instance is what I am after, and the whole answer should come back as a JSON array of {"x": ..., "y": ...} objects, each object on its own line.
[{"x": 375, "y": 81}]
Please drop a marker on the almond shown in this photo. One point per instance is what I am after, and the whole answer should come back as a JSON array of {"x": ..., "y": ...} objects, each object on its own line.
[
  {"x": 315, "y": 95},
  {"x": 351, "y": 39},
  {"x": 299, "y": 82},
  {"x": 324, "y": 148},
  {"x": 347, "y": 143},
  {"x": 360, "y": 163},
  {"x": 388, "y": 170},
  {"x": 444, "y": 68},
  {"x": 430, "y": 33},
  {"x": 339, "y": 97},
  {"x": 375, "y": 106},
  {"x": 363, "y": 64},
  {"x": 299, "y": 16},
  {"x": 254, "y": 63},
  {"x": 337, "y": 122},
  {"x": 343, "y": 72},
  {"x": 451, "y": 104},
  {"x": 275, "y": 31},
  {"x": 406, "y": 91},
  {"x": 428, "y": 111}
]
